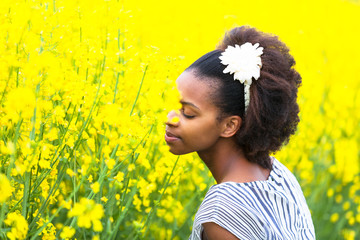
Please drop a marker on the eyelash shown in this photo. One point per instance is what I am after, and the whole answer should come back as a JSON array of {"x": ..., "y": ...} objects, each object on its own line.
[{"x": 186, "y": 116}]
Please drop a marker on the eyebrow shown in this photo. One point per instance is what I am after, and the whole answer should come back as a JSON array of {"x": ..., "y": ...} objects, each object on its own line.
[{"x": 190, "y": 104}]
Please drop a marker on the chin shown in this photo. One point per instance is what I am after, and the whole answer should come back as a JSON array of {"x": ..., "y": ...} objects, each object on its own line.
[
  {"x": 179, "y": 152},
  {"x": 175, "y": 152}
]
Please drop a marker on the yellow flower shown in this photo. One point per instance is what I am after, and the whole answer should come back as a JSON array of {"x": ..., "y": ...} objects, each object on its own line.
[
  {"x": 90, "y": 179},
  {"x": 347, "y": 158},
  {"x": 110, "y": 163},
  {"x": 119, "y": 176},
  {"x": 56, "y": 97},
  {"x": 137, "y": 202},
  {"x": 349, "y": 234},
  {"x": 202, "y": 186},
  {"x": 59, "y": 226},
  {"x": 330, "y": 192},
  {"x": 88, "y": 212},
  {"x": 70, "y": 172},
  {"x": 346, "y": 205},
  {"x": 19, "y": 226},
  {"x": 91, "y": 143},
  {"x": 352, "y": 221},
  {"x": 131, "y": 167},
  {"x": 5, "y": 188},
  {"x": 53, "y": 134},
  {"x": 104, "y": 199},
  {"x": 174, "y": 120},
  {"x": 3, "y": 148},
  {"x": 117, "y": 196},
  {"x": 44, "y": 164},
  {"x": 21, "y": 101},
  {"x": 49, "y": 232},
  {"x": 334, "y": 217},
  {"x": 97, "y": 226},
  {"x": 67, "y": 232},
  {"x": 95, "y": 187},
  {"x": 338, "y": 198},
  {"x": 11, "y": 147}
]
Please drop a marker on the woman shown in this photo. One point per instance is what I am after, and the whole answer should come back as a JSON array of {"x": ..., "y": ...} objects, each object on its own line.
[{"x": 238, "y": 107}]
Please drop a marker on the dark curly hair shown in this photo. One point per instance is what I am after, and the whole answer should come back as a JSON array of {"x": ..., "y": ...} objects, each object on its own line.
[{"x": 272, "y": 114}]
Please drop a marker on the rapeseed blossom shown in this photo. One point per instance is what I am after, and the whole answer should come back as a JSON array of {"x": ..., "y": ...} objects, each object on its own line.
[
  {"x": 5, "y": 188},
  {"x": 88, "y": 214},
  {"x": 20, "y": 101},
  {"x": 67, "y": 232},
  {"x": 18, "y": 224}
]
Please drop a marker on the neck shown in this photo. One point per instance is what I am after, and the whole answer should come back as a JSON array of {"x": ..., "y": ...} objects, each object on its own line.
[{"x": 227, "y": 162}]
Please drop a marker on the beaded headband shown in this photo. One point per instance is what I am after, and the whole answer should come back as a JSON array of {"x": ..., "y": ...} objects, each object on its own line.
[{"x": 244, "y": 62}]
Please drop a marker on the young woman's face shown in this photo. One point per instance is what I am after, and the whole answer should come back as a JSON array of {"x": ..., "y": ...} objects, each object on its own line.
[{"x": 197, "y": 129}]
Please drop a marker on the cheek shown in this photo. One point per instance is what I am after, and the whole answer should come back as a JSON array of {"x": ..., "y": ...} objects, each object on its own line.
[{"x": 205, "y": 133}]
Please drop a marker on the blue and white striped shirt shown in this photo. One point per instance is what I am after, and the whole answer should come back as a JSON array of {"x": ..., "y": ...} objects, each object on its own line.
[{"x": 271, "y": 209}]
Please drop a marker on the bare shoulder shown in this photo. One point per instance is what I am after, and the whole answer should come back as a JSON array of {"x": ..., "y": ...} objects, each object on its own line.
[{"x": 212, "y": 231}]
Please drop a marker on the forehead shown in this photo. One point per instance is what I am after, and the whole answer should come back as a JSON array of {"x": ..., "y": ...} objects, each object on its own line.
[{"x": 197, "y": 91}]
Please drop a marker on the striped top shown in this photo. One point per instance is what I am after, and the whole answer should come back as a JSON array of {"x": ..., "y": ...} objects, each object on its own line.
[{"x": 271, "y": 209}]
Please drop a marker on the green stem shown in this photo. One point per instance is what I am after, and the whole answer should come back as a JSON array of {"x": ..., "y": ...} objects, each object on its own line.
[
  {"x": 38, "y": 231},
  {"x": 6, "y": 85},
  {"x": 2, "y": 213},
  {"x": 55, "y": 156},
  {"x": 138, "y": 93},
  {"x": 122, "y": 213},
  {"x": 53, "y": 189},
  {"x": 153, "y": 209},
  {"x": 116, "y": 84},
  {"x": 74, "y": 178},
  {"x": 26, "y": 194},
  {"x": 13, "y": 155}
]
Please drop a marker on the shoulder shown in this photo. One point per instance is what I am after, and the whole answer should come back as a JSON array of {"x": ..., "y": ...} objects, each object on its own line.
[{"x": 286, "y": 179}]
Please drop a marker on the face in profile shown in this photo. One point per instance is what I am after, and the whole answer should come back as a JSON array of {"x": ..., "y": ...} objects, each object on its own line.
[{"x": 197, "y": 128}]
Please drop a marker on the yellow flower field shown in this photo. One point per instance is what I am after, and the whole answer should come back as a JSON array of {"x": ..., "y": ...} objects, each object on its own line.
[{"x": 85, "y": 87}]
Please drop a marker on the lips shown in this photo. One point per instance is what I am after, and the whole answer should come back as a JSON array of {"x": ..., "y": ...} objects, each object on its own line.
[{"x": 170, "y": 137}]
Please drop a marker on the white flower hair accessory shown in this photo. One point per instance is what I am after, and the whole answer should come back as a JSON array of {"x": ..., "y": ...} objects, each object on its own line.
[{"x": 244, "y": 62}]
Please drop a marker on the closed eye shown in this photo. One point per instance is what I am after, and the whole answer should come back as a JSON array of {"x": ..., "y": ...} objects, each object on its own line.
[{"x": 185, "y": 115}]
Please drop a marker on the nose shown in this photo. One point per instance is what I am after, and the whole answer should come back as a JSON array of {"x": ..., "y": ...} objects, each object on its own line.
[{"x": 173, "y": 118}]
